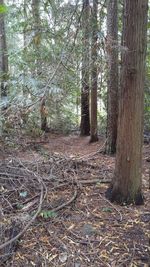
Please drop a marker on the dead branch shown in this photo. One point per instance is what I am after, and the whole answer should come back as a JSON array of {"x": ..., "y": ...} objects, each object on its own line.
[
  {"x": 37, "y": 212},
  {"x": 91, "y": 155},
  {"x": 66, "y": 203},
  {"x": 28, "y": 224},
  {"x": 113, "y": 206},
  {"x": 94, "y": 181}
]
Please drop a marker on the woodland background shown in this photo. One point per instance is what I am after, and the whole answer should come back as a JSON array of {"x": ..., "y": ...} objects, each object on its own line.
[{"x": 64, "y": 69}]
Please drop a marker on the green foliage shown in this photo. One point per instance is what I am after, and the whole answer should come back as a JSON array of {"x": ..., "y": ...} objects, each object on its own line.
[
  {"x": 27, "y": 84},
  {"x": 107, "y": 209},
  {"x": 3, "y": 9},
  {"x": 102, "y": 122},
  {"x": 32, "y": 125},
  {"x": 47, "y": 60},
  {"x": 46, "y": 214}
]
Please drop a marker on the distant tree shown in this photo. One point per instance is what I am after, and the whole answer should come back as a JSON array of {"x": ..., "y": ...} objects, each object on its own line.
[
  {"x": 37, "y": 34},
  {"x": 25, "y": 44},
  {"x": 112, "y": 92},
  {"x": 126, "y": 183},
  {"x": 43, "y": 112},
  {"x": 3, "y": 59},
  {"x": 37, "y": 42},
  {"x": 85, "y": 117},
  {"x": 93, "y": 128}
]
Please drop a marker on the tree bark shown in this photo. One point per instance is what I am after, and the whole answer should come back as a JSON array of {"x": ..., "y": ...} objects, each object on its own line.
[
  {"x": 37, "y": 37},
  {"x": 25, "y": 90},
  {"x": 44, "y": 113},
  {"x": 37, "y": 41},
  {"x": 93, "y": 128},
  {"x": 85, "y": 117},
  {"x": 126, "y": 184},
  {"x": 3, "y": 60},
  {"x": 112, "y": 83}
]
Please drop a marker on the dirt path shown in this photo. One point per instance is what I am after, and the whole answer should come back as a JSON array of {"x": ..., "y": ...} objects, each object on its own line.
[{"x": 89, "y": 231}]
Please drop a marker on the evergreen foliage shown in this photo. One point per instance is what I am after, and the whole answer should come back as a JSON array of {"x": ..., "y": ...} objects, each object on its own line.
[{"x": 59, "y": 42}]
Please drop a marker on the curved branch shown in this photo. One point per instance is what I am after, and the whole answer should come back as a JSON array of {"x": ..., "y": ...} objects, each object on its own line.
[{"x": 66, "y": 203}]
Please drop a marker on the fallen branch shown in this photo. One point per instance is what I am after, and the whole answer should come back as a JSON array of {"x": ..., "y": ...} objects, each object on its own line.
[
  {"x": 82, "y": 182},
  {"x": 28, "y": 224},
  {"x": 90, "y": 156},
  {"x": 82, "y": 240},
  {"x": 113, "y": 206},
  {"x": 66, "y": 203},
  {"x": 37, "y": 142},
  {"x": 93, "y": 181},
  {"x": 36, "y": 214}
]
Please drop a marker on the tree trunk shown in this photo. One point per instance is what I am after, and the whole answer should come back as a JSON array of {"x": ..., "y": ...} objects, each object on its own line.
[
  {"x": 3, "y": 60},
  {"x": 112, "y": 93},
  {"x": 25, "y": 45},
  {"x": 126, "y": 184},
  {"x": 37, "y": 37},
  {"x": 43, "y": 112},
  {"x": 85, "y": 118},
  {"x": 37, "y": 41},
  {"x": 93, "y": 130}
]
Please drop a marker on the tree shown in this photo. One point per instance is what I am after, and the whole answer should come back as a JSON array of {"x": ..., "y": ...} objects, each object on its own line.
[
  {"x": 3, "y": 59},
  {"x": 93, "y": 128},
  {"x": 112, "y": 93},
  {"x": 126, "y": 183},
  {"x": 37, "y": 34},
  {"x": 25, "y": 46},
  {"x": 85, "y": 117},
  {"x": 37, "y": 41}
]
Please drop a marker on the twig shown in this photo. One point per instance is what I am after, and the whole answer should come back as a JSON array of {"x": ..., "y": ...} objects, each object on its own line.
[
  {"x": 55, "y": 237},
  {"x": 89, "y": 156},
  {"x": 105, "y": 199},
  {"x": 81, "y": 182},
  {"x": 66, "y": 203},
  {"x": 83, "y": 240},
  {"x": 28, "y": 224},
  {"x": 36, "y": 214},
  {"x": 93, "y": 181}
]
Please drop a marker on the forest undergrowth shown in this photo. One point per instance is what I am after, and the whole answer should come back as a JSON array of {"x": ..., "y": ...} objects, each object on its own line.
[{"x": 54, "y": 212}]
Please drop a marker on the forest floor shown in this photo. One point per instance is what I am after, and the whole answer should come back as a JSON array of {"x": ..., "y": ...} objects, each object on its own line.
[{"x": 52, "y": 196}]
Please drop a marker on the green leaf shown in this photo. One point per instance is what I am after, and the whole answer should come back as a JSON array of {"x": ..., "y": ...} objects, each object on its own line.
[
  {"x": 107, "y": 209},
  {"x": 3, "y": 9},
  {"x": 47, "y": 214}
]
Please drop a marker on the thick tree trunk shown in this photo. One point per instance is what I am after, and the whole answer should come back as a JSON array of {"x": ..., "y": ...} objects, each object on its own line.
[
  {"x": 112, "y": 93},
  {"x": 93, "y": 129},
  {"x": 85, "y": 117},
  {"x": 126, "y": 184},
  {"x": 3, "y": 59}
]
